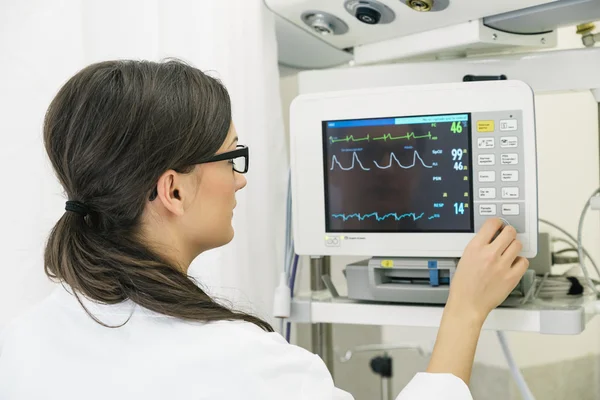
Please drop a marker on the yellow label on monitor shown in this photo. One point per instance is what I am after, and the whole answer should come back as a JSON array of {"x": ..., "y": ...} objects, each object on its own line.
[
  {"x": 485, "y": 126},
  {"x": 387, "y": 263}
]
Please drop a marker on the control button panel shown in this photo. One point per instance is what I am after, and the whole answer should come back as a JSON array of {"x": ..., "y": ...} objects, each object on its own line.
[{"x": 498, "y": 167}]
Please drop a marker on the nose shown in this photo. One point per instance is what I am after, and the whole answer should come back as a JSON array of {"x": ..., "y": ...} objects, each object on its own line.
[{"x": 240, "y": 181}]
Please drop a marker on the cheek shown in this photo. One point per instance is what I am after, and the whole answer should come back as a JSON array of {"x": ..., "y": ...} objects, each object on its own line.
[{"x": 217, "y": 188}]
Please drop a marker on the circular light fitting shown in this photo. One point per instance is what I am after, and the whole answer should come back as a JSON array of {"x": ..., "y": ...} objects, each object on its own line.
[
  {"x": 421, "y": 5},
  {"x": 324, "y": 23}
]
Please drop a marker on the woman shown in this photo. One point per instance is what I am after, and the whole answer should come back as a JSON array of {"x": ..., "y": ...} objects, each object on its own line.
[{"x": 149, "y": 158}]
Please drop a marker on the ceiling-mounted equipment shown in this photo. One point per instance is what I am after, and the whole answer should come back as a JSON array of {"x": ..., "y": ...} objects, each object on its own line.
[
  {"x": 383, "y": 31},
  {"x": 370, "y": 12},
  {"x": 324, "y": 23}
]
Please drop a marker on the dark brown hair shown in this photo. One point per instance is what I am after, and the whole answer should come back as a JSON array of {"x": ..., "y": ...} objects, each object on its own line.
[{"x": 111, "y": 131}]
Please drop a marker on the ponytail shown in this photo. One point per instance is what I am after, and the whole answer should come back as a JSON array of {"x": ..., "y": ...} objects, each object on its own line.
[{"x": 112, "y": 268}]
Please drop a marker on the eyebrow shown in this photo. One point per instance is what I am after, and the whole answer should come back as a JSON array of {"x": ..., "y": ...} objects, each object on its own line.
[{"x": 235, "y": 139}]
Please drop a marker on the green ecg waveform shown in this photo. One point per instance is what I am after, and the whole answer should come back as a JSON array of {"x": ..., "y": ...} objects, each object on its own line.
[{"x": 385, "y": 138}]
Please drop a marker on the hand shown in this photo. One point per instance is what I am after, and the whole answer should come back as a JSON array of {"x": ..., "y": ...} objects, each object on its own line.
[{"x": 487, "y": 272}]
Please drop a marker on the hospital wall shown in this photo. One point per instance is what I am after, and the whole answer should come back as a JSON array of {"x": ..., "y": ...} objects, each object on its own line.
[{"x": 555, "y": 367}]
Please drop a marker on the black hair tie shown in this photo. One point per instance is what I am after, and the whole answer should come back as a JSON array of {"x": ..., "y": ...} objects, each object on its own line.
[{"x": 77, "y": 207}]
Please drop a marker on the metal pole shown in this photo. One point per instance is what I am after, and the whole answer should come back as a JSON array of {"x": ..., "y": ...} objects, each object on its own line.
[
  {"x": 322, "y": 339},
  {"x": 386, "y": 389}
]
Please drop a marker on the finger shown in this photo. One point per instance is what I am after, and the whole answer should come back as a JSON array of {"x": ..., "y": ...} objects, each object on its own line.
[
  {"x": 512, "y": 252},
  {"x": 504, "y": 239},
  {"x": 519, "y": 268},
  {"x": 487, "y": 231}
]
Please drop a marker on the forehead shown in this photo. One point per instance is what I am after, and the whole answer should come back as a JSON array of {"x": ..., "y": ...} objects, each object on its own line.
[{"x": 232, "y": 138}]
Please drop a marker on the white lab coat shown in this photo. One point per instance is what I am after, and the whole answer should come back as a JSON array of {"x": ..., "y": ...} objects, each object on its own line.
[{"x": 57, "y": 352}]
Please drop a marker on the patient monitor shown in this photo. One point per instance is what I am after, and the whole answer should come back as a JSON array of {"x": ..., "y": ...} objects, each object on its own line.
[{"x": 407, "y": 175}]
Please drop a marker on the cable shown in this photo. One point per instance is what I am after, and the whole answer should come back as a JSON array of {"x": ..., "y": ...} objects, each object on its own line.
[
  {"x": 292, "y": 284},
  {"x": 580, "y": 243},
  {"x": 293, "y": 274},
  {"x": 562, "y": 286},
  {"x": 282, "y": 294},
  {"x": 565, "y": 250},
  {"x": 565, "y": 241},
  {"x": 288, "y": 228},
  {"x": 516, "y": 372},
  {"x": 574, "y": 244}
]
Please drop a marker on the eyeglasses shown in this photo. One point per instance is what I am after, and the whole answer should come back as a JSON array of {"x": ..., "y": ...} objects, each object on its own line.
[{"x": 238, "y": 158}]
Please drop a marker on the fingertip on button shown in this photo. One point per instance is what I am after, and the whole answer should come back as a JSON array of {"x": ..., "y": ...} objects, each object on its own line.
[{"x": 505, "y": 223}]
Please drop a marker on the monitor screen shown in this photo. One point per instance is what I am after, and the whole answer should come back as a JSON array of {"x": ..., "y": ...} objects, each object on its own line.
[{"x": 398, "y": 174}]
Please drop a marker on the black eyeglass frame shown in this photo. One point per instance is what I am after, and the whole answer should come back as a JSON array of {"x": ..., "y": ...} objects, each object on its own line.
[{"x": 240, "y": 151}]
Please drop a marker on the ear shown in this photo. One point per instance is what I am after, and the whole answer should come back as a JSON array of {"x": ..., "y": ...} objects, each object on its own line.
[{"x": 170, "y": 192}]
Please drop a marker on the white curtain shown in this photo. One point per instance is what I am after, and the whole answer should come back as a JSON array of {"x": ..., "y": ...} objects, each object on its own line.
[{"x": 43, "y": 43}]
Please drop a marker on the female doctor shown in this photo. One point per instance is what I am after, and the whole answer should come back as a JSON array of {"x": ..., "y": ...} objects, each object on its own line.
[{"x": 149, "y": 158}]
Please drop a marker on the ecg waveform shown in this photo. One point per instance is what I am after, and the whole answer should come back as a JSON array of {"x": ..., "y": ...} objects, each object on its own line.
[
  {"x": 362, "y": 217},
  {"x": 355, "y": 160},
  {"x": 385, "y": 138}
]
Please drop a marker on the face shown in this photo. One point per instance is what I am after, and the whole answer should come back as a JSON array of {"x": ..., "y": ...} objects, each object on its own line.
[{"x": 207, "y": 220}]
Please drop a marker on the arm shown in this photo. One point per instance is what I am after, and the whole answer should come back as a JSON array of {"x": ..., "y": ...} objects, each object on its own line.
[
  {"x": 487, "y": 273},
  {"x": 455, "y": 346}
]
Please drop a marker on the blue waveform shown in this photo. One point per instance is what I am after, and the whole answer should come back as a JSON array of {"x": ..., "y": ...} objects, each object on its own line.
[
  {"x": 362, "y": 217},
  {"x": 434, "y": 216},
  {"x": 355, "y": 160}
]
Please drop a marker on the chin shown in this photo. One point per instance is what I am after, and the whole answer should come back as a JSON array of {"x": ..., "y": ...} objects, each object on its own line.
[{"x": 229, "y": 237}]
